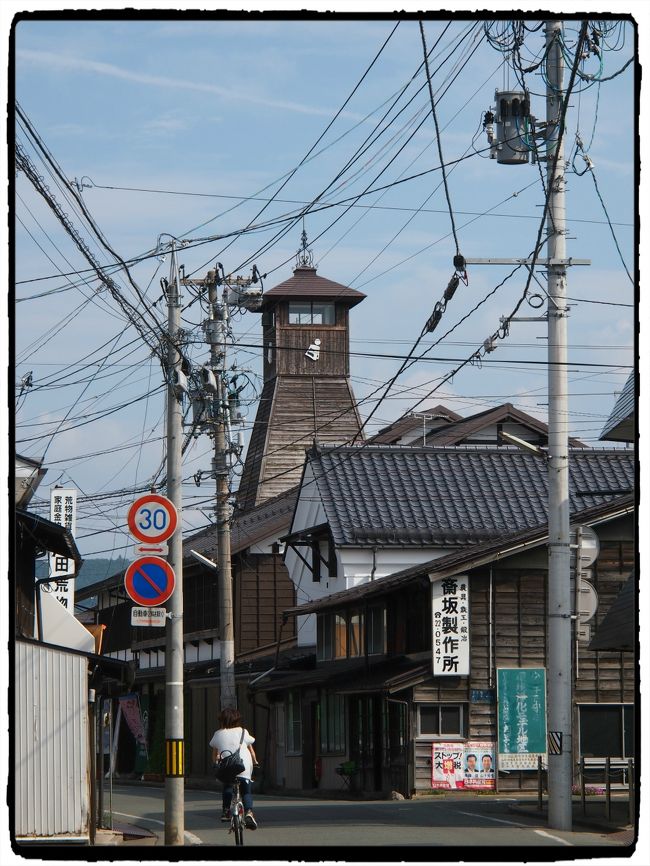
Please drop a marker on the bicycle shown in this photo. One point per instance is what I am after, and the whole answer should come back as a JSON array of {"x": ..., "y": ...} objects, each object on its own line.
[{"x": 237, "y": 822}]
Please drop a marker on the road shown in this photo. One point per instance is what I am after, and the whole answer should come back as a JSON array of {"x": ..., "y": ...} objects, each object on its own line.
[{"x": 292, "y": 822}]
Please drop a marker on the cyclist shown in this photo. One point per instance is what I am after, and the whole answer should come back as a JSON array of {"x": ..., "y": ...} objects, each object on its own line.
[{"x": 228, "y": 738}]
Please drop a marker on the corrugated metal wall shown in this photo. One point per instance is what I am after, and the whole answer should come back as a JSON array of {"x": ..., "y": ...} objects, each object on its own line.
[{"x": 52, "y": 788}]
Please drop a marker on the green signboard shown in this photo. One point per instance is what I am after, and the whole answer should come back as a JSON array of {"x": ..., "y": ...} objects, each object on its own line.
[{"x": 521, "y": 702}]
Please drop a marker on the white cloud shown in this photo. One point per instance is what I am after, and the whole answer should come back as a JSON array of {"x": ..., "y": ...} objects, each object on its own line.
[{"x": 69, "y": 62}]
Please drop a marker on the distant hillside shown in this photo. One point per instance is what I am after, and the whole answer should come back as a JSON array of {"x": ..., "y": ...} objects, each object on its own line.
[{"x": 92, "y": 571}]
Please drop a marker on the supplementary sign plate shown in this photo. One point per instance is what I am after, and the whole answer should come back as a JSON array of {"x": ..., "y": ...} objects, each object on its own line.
[
  {"x": 149, "y": 581},
  {"x": 152, "y": 518},
  {"x": 148, "y": 616}
]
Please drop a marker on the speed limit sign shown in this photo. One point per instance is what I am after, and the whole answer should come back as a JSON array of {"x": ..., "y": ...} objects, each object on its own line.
[{"x": 152, "y": 518}]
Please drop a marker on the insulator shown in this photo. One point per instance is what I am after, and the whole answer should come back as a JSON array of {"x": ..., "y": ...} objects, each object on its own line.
[
  {"x": 434, "y": 318},
  {"x": 459, "y": 262},
  {"x": 452, "y": 285}
]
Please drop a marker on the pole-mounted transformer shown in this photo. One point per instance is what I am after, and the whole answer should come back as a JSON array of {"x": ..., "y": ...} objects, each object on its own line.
[{"x": 514, "y": 127}]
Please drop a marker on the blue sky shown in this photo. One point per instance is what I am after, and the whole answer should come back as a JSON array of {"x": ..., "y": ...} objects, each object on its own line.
[{"x": 208, "y": 113}]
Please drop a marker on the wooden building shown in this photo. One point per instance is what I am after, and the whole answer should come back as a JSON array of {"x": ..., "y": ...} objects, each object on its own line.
[
  {"x": 307, "y": 396},
  {"x": 376, "y": 704}
]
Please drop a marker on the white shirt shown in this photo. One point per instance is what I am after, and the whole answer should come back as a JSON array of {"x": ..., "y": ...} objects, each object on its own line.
[{"x": 228, "y": 739}]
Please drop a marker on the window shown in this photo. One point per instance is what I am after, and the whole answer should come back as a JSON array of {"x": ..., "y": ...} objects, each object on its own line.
[
  {"x": 324, "y": 636},
  {"x": 332, "y": 723},
  {"x": 311, "y": 313},
  {"x": 294, "y": 723},
  {"x": 340, "y": 636},
  {"x": 355, "y": 634},
  {"x": 607, "y": 730},
  {"x": 442, "y": 720},
  {"x": 376, "y": 630}
]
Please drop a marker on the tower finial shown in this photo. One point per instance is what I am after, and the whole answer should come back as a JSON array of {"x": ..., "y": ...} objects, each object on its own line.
[{"x": 304, "y": 256}]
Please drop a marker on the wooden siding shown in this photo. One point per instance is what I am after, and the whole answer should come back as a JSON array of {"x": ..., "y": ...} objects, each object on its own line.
[
  {"x": 263, "y": 589},
  {"x": 293, "y": 412},
  {"x": 520, "y": 640},
  {"x": 294, "y": 340}
]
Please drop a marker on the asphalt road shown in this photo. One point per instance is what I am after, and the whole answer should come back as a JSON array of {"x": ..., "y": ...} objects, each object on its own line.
[{"x": 307, "y": 823}]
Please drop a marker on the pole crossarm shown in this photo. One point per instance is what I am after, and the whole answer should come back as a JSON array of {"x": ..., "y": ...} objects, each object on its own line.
[{"x": 552, "y": 262}]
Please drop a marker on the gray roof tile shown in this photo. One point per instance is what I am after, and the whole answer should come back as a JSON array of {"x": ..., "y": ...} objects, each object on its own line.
[{"x": 450, "y": 496}]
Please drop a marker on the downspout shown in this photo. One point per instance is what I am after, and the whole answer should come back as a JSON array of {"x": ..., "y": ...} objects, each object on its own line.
[
  {"x": 490, "y": 629},
  {"x": 374, "y": 564}
]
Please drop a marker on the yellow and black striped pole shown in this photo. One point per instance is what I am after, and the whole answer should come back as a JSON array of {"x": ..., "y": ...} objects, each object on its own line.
[{"x": 174, "y": 757}]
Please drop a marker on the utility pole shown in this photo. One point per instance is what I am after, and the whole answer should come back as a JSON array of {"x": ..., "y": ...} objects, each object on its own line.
[
  {"x": 560, "y": 667},
  {"x": 174, "y": 654},
  {"x": 216, "y": 335}
]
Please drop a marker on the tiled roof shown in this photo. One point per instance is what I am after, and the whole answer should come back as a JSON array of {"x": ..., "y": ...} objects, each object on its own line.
[
  {"x": 460, "y": 430},
  {"x": 620, "y": 424},
  {"x": 391, "y": 434},
  {"x": 305, "y": 283},
  {"x": 406, "y": 496}
]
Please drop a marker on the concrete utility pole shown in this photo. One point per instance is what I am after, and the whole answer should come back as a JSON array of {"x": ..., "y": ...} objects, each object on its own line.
[
  {"x": 216, "y": 335},
  {"x": 560, "y": 668},
  {"x": 174, "y": 655}
]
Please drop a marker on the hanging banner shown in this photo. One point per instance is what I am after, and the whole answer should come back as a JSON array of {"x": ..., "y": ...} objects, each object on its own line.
[
  {"x": 142, "y": 747},
  {"x": 450, "y": 619},
  {"x": 63, "y": 511},
  {"x": 130, "y": 706},
  {"x": 521, "y": 717}
]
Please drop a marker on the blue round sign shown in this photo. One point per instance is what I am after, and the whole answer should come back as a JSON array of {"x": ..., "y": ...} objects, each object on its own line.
[{"x": 149, "y": 581}]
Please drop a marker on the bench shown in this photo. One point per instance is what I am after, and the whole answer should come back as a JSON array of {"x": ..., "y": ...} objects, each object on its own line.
[{"x": 346, "y": 771}]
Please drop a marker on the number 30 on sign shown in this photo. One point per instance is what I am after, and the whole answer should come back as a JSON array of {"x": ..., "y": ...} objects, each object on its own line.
[{"x": 152, "y": 518}]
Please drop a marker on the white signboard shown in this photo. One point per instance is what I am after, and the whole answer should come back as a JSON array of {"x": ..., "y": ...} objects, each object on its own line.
[
  {"x": 148, "y": 616},
  {"x": 450, "y": 619},
  {"x": 63, "y": 510}
]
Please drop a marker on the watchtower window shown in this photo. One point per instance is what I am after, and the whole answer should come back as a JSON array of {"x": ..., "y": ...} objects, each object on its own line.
[{"x": 311, "y": 313}]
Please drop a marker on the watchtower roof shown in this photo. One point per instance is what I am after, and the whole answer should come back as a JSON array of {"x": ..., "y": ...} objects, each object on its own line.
[{"x": 306, "y": 284}]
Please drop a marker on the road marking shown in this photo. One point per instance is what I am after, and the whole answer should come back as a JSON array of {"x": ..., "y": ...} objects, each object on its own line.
[
  {"x": 191, "y": 838},
  {"x": 499, "y": 820},
  {"x": 517, "y": 824},
  {"x": 556, "y": 838}
]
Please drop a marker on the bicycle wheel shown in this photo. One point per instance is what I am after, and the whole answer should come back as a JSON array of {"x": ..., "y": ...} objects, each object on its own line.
[{"x": 238, "y": 827}]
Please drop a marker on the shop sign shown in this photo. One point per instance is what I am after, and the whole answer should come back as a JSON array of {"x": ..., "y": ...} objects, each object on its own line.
[{"x": 450, "y": 619}]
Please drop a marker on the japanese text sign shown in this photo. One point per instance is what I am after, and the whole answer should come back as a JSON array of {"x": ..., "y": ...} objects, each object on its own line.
[
  {"x": 450, "y": 621},
  {"x": 521, "y": 697}
]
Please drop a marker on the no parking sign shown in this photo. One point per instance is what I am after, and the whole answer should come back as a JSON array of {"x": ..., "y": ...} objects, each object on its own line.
[{"x": 149, "y": 581}]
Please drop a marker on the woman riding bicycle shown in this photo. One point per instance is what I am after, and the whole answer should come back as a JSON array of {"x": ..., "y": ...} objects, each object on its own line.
[{"x": 228, "y": 739}]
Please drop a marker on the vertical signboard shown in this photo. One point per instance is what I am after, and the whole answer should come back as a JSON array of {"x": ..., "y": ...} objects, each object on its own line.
[
  {"x": 521, "y": 702},
  {"x": 63, "y": 508},
  {"x": 450, "y": 621}
]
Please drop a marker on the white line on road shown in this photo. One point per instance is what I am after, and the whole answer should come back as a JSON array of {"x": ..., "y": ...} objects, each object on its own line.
[
  {"x": 488, "y": 818},
  {"x": 557, "y": 838},
  {"x": 191, "y": 838},
  {"x": 517, "y": 824}
]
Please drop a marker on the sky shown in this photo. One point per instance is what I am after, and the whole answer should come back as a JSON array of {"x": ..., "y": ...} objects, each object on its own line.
[{"x": 187, "y": 126}]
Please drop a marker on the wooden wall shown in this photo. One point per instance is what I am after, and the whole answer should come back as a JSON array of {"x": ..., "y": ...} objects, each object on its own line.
[
  {"x": 520, "y": 640},
  {"x": 262, "y": 590}
]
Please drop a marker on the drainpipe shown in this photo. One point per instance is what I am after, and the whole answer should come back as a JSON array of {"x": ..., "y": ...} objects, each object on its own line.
[{"x": 374, "y": 563}]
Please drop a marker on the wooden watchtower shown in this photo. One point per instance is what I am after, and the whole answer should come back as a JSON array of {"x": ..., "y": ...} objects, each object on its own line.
[{"x": 307, "y": 395}]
